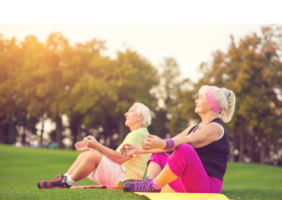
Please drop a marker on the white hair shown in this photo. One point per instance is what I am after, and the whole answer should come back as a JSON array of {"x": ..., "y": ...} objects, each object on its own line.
[
  {"x": 147, "y": 118},
  {"x": 227, "y": 104}
]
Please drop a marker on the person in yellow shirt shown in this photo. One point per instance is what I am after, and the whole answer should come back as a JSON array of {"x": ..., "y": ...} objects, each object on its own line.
[{"x": 104, "y": 165}]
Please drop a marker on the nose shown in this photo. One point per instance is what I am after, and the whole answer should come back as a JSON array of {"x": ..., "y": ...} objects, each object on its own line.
[{"x": 125, "y": 114}]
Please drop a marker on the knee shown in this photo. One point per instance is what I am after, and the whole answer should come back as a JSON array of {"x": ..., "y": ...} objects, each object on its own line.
[
  {"x": 93, "y": 155},
  {"x": 159, "y": 156},
  {"x": 184, "y": 148},
  {"x": 156, "y": 155},
  {"x": 82, "y": 155}
]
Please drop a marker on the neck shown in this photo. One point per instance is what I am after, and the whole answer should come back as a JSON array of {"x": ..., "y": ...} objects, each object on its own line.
[
  {"x": 208, "y": 117},
  {"x": 135, "y": 127}
]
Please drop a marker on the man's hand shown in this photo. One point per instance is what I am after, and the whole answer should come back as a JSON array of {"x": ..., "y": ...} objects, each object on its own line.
[
  {"x": 90, "y": 142},
  {"x": 153, "y": 142},
  {"x": 81, "y": 147},
  {"x": 128, "y": 150}
]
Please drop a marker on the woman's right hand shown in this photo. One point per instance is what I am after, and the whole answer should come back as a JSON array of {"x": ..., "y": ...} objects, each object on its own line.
[
  {"x": 81, "y": 147},
  {"x": 128, "y": 150}
]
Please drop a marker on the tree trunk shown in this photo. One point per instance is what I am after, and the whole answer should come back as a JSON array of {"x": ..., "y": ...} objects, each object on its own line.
[
  {"x": 15, "y": 132},
  {"x": 78, "y": 137},
  {"x": 59, "y": 131},
  {"x": 74, "y": 140},
  {"x": 241, "y": 146},
  {"x": 42, "y": 131},
  {"x": 121, "y": 129},
  {"x": 75, "y": 130},
  {"x": 14, "y": 139},
  {"x": 232, "y": 156},
  {"x": 1, "y": 134},
  {"x": 262, "y": 152},
  {"x": 23, "y": 137},
  {"x": 253, "y": 154}
]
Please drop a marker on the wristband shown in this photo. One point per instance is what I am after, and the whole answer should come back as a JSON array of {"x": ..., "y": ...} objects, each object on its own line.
[{"x": 169, "y": 144}]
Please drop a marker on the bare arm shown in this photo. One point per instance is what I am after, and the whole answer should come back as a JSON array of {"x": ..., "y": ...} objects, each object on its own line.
[
  {"x": 201, "y": 138},
  {"x": 113, "y": 155},
  {"x": 128, "y": 149}
]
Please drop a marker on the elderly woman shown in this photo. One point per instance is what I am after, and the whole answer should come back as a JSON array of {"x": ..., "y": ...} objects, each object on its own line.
[{"x": 201, "y": 151}]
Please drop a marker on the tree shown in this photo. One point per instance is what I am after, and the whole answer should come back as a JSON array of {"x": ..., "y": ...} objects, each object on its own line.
[
  {"x": 134, "y": 77},
  {"x": 252, "y": 69},
  {"x": 10, "y": 61},
  {"x": 171, "y": 91}
]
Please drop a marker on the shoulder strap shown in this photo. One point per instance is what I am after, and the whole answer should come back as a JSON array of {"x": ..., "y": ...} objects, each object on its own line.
[
  {"x": 193, "y": 128},
  {"x": 220, "y": 126}
]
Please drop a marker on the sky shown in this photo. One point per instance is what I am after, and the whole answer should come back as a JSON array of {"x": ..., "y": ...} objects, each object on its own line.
[
  {"x": 189, "y": 44},
  {"x": 189, "y": 31}
]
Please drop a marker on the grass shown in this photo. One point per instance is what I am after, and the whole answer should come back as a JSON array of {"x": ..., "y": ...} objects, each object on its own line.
[
  {"x": 22, "y": 168},
  {"x": 67, "y": 194},
  {"x": 252, "y": 175}
]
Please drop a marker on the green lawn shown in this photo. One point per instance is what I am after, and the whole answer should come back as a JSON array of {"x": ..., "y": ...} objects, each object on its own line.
[{"x": 22, "y": 168}]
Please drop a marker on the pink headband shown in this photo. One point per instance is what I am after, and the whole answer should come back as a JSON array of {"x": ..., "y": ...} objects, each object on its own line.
[{"x": 214, "y": 106}]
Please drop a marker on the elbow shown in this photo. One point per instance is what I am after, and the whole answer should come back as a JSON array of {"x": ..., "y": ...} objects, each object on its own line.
[{"x": 194, "y": 144}]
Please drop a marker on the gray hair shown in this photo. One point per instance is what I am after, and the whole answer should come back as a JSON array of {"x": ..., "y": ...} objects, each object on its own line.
[
  {"x": 227, "y": 104},
  {"x": 147, "y": 118}
]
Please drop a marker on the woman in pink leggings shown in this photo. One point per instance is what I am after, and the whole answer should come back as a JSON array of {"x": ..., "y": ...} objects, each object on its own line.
[{"x": 201, "y": 151}]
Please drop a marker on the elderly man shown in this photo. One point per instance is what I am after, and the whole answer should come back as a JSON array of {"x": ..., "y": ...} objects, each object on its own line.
[{"x": 106, "y": 166}]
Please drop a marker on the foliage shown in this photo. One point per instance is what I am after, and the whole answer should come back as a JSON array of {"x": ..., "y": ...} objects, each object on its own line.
[
  {"x": 250, "y": 68},
  {"x": 52, "y": 80},
  {"x": 40, "y": 81}
]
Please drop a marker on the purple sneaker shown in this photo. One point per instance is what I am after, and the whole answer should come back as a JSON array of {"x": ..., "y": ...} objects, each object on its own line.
[{"x": 140, "y": 186}]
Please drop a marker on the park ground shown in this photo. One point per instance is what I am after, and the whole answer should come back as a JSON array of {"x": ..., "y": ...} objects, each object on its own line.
[{"x": 21, "y": 169}]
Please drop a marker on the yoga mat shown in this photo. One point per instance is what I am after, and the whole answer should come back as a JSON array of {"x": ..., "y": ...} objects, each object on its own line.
[
  {"x": 183, "y": 196},
  {"x": 167, "y": 194},
  {"x": 110, "y": 187}
]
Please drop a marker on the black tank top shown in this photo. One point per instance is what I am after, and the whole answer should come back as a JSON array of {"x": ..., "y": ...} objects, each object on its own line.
[{"x": 214, "y": 156}]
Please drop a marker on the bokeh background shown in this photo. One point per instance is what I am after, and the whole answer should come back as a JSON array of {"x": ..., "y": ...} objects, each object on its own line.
[{"x": 60, "y": 83}]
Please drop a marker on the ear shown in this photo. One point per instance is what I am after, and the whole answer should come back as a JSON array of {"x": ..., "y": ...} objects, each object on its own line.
[{"x": 140, "y": 118}]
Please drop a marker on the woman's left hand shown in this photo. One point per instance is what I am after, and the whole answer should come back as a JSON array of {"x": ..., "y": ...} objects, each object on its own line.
[
  {"x": 153, "y": 142},
  {"x": 90, "y": 142}
]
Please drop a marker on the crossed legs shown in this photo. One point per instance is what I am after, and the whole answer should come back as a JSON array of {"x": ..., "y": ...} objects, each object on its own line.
[
  {"x": 183, "y": 171},
  {"x": 85, "y": 163},
  {"x": 158, "y": 169}
]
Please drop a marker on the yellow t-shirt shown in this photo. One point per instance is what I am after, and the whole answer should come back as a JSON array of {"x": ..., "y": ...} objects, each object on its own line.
[{"x": 135, "y": 167}]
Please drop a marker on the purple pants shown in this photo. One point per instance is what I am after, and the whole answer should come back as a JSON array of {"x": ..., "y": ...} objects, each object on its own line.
[{"x": 186, "y": 164}]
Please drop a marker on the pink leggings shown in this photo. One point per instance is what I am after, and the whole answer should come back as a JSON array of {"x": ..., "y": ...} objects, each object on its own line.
[{"x": 186, "y": 164}]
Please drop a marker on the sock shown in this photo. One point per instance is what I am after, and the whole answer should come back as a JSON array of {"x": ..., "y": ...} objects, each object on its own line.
[
  {"x": 156, "y": 184},
  {"x": 66, "y": 174},
  {"x": 69, "y": 180}
]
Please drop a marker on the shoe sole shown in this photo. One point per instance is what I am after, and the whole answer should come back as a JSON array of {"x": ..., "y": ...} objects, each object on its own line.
[{"x": 129, "y": 180}]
